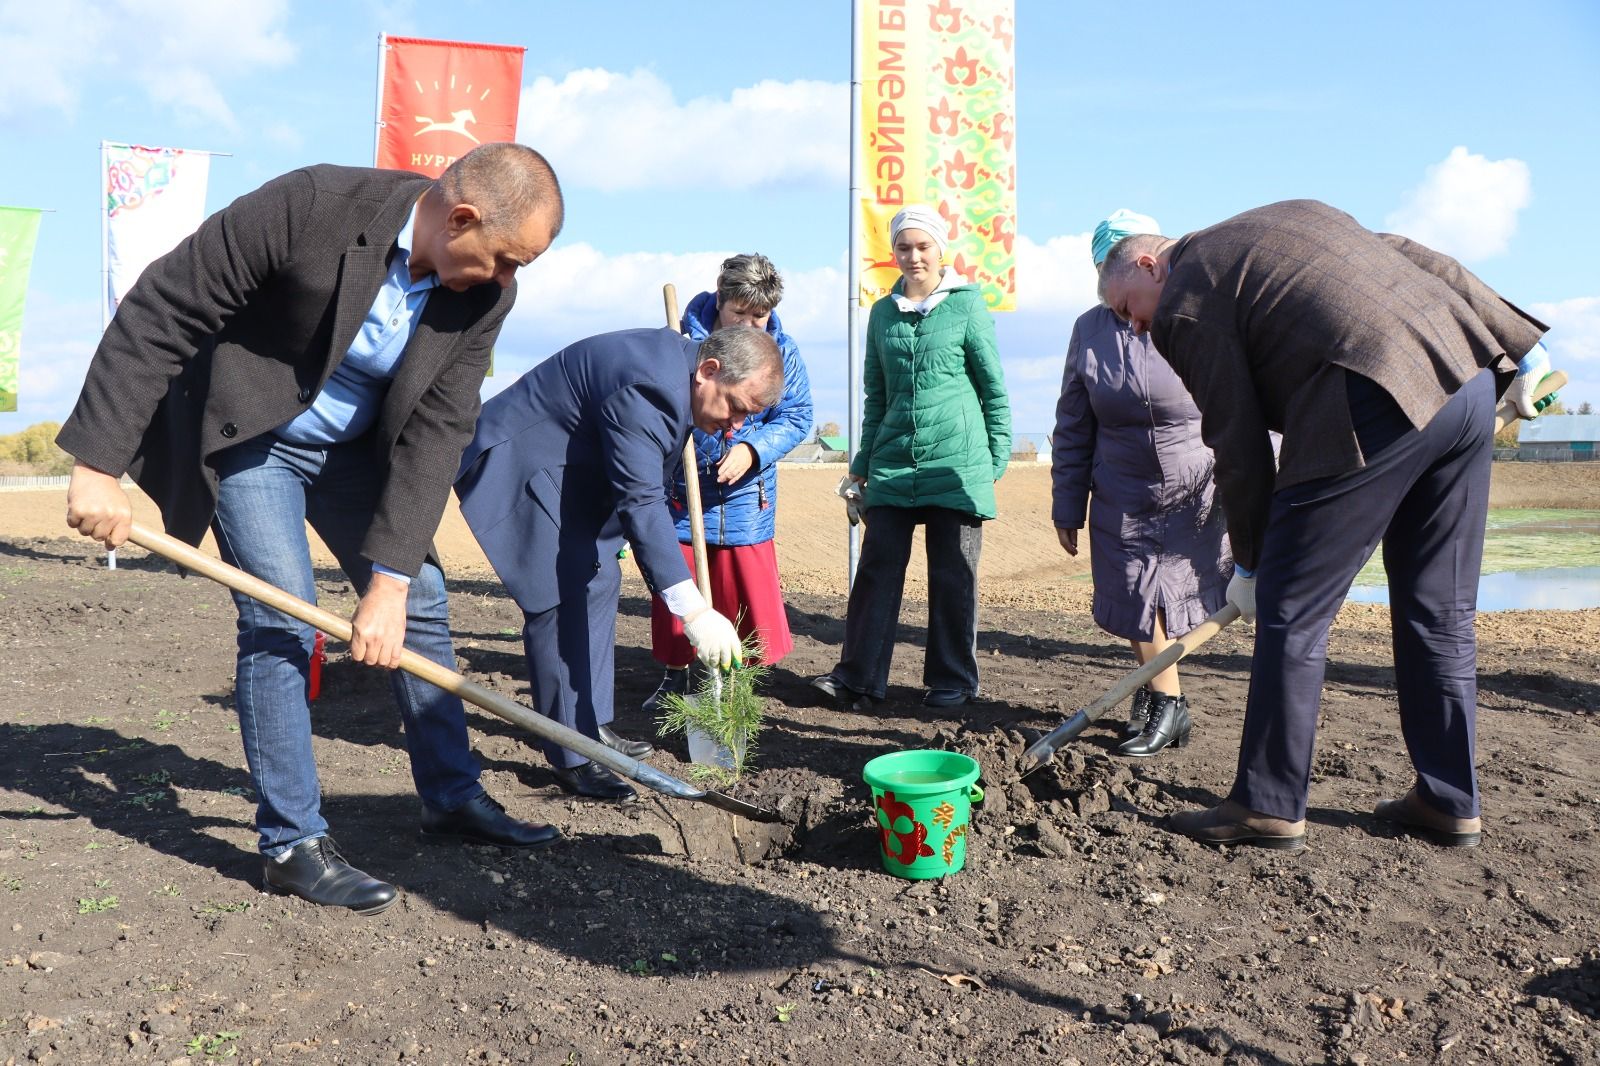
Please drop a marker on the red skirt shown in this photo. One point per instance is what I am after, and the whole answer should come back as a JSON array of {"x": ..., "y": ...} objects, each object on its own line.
[{"x": 744, "y": 587}]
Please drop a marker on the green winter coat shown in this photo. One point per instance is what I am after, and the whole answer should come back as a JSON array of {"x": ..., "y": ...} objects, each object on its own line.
[{"x": 936, "y": 426}]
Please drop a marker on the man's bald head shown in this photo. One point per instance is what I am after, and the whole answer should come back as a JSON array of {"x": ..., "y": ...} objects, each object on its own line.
[{"x": 508, "y": 183}]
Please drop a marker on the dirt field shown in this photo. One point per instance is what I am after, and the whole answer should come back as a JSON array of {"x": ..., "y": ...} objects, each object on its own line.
[{"x": 132, "y": 927}]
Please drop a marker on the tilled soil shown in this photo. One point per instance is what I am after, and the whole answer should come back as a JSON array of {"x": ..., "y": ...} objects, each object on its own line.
[{"x": 133, "y": 928}]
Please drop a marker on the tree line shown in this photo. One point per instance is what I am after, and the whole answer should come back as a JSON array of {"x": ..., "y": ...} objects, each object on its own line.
[{"x": 33, "y": 452}]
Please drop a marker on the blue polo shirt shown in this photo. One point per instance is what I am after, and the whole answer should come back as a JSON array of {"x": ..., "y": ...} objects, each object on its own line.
[{"x": 349, "y": 403}]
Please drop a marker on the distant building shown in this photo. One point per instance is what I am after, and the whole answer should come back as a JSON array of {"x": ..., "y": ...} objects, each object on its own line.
[
  {"x": 1559, "y": 438},
  {"x": 1030, "y": 447},
  {"x": 828, "y": 449}
]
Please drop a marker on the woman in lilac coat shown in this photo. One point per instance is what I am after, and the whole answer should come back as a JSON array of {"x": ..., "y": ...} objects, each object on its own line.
[{"x": 1128, "y": 434}]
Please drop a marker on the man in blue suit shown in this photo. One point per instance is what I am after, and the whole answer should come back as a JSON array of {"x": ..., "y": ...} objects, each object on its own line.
[{"x": 567, "y": 463}]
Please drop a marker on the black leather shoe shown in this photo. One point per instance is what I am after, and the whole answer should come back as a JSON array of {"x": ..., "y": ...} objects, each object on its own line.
[
  {"x": 1138, "y": 714},
  {"x": 595, "y": 781},
  {"x": 481, "y": 820},
  {"x": 316, "y": 872},
  {"x": 831, "y": 687},
  {"x": 633, "y": 749},
  {"x": 1169, "y": 725},
  {"x": 673, "y": 683},
  {"x": 835, "y": 689},
  {"x": 945, "y": 697}
]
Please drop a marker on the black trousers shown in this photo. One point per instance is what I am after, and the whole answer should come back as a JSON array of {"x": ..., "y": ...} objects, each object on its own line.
[
  {"x": 954, "y": 541},
  {"x": 1424, "y": 494}
]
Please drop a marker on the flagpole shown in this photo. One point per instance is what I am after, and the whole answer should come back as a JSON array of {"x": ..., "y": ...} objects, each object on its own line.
[
  {"x": 853, "y": 295},
  {"x": 377, "y": 98},
  {"x": 105, "y": 280}
]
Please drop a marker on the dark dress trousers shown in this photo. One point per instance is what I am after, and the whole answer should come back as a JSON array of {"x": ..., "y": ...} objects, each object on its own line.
[
  {"x": 568, "y": 462},
  {"x": 1379, "y": 361}
]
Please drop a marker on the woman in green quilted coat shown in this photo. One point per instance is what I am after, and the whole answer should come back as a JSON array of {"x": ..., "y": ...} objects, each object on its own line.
[{"x": 935, "y": 437}]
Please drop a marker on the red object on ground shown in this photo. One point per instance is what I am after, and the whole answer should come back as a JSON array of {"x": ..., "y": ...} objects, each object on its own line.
[{"x": 315, "y": 688}]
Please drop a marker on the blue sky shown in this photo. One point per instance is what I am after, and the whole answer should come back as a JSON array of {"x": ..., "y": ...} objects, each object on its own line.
[{"x": 685, "y": 132}]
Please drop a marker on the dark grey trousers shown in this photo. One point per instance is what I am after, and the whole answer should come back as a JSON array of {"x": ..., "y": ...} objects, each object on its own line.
[
  {"x": 1424, "y": 495},
  {"x": 954, "y": 540}
]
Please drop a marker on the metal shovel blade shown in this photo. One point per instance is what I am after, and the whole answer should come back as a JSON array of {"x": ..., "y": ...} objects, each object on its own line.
[
  {"x": 431, "y": 672},
  {"x": 1041, "y": 751}
]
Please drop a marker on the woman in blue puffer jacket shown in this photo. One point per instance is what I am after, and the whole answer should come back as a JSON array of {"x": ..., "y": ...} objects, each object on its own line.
[{"x": 738, "y": 482}]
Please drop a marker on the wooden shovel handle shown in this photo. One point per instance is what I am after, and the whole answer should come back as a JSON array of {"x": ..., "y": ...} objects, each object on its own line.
[
  {"x": 691, "y": 475},
  {"x": 339, "y": 628},
  {"x": 1179, "y": 648}
]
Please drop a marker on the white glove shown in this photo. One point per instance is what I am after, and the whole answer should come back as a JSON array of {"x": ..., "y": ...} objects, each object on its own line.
[
  {"x": 1242, "y": 594},
  {"x": 715, "y": 639},
  {"x": 1531, "y": 370}
]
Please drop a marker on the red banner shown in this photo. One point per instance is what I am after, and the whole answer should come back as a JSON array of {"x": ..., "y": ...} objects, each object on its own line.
[{"x": 439, "y": 100}]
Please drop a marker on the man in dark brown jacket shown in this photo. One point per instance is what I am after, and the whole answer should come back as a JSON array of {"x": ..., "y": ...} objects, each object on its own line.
[
  {"x": 1379, "y": 361},
  {"x": 313, "y": 353}
]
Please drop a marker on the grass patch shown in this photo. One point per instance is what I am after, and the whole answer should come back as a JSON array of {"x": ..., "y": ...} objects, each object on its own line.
[
  {"x": 214, "y": 1045},
  {"x": 226, "y": 908}
]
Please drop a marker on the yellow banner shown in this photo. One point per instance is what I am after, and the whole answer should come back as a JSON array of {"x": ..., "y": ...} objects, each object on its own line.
[{"x": 938, "y": 127}]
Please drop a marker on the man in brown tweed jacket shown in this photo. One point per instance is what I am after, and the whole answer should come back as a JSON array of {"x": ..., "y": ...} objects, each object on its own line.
[{"x": 1379, "y": 361}]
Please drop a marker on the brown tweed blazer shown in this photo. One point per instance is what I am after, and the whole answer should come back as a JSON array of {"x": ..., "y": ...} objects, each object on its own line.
[
  {"x": 232, "y": 333},
  {"x": 1262, "y": 315}
]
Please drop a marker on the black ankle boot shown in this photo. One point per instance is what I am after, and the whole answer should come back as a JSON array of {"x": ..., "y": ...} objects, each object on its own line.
[
  {"x": 1168, "y": 725},
  {"x": 1138, "y": 714}
]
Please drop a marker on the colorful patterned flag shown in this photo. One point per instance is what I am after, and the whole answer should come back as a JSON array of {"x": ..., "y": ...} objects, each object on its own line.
[
  {"x": 19, "y": 226},
  {"x": 438, "y": 100},
  {"x": 155, "y": 197},
  {"x": 938, "y": 126}
]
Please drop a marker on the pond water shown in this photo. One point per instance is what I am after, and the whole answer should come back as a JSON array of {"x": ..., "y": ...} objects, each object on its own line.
[{"x": 1532, "y": 560}]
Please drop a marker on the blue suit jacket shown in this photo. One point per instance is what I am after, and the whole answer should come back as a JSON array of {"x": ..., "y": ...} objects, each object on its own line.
[{"x": 575, "y": 456}]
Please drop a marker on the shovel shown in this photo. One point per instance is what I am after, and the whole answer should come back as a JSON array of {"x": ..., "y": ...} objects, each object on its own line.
[
  {"x": 412, "y": 663},
  {"x": 1045, "y": 748},
  {"x": 691, "y": 486}
]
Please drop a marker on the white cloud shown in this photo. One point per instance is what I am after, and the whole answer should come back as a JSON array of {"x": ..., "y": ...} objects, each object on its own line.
[
  {"x": 1056, "y": 276},
  {"x": 611, "y": 131},
  {"x": 1574, "y": 329},
  {"x": 58, "y": 50},
  {"x": 576, "y": 291},
  {"x": 1466, "y": 206},
  {"x": 57, "y": 343}
]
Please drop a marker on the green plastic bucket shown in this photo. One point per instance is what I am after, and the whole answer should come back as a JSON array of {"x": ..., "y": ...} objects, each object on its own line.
[{"x": 923, "y": 803}]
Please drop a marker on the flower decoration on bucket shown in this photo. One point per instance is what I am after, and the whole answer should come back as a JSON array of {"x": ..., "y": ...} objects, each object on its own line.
[{"x": 906, "y": 846}]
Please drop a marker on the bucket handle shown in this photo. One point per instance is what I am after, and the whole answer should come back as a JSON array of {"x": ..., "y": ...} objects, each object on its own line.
[{"x": 975, "y": 793}]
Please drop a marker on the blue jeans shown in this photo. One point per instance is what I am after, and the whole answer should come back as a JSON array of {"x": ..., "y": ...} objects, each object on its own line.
[{"x": 269, "y": 491}]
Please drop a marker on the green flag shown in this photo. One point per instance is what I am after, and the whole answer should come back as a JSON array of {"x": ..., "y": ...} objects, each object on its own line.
[{"x": 18, "y": 228}]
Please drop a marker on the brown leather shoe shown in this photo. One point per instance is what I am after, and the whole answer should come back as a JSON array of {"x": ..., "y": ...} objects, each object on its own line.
[
  {"x": 1411, "y": 814},
  {"x": 1232, "y": 823}
]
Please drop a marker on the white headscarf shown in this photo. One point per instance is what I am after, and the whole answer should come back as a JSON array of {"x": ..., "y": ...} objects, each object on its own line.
[{"x": 924, "y": 218}]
